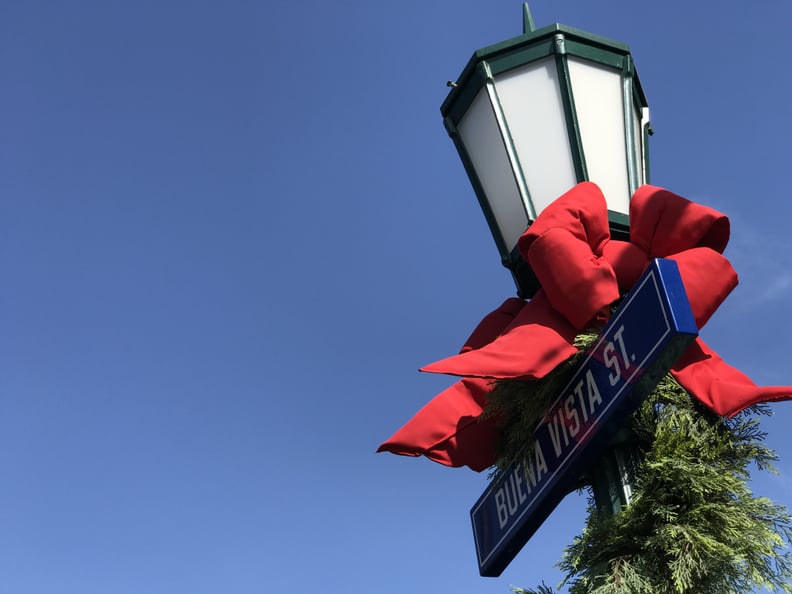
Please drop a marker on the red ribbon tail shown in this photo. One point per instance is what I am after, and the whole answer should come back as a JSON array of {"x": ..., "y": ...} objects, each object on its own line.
[
  {"x": 719, "y": 386},
  {"x": 448, "y": 429},
  {"x": 536, "y": 341}
]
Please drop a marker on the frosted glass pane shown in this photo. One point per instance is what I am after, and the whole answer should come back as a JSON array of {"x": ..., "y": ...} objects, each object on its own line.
[
  {"x": 638, "y": 131},
  {"x": 484, "y": 144},
  {"x": 599, "y": 105},
  {"x": 644, "y": 147},
  {"x": 534, "y": 112}
]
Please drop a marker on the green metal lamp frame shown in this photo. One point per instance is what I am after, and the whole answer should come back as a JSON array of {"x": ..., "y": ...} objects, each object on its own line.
[{"x": 534, "y": 44}]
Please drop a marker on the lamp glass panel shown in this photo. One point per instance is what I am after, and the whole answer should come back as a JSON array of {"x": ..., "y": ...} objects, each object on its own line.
[
  {"x": 531, "y": 99},
  {"x": 638, "y": 135},
  {"x": 642, "y": 130},
  {"x": 599, "y": 103},
  {"x": 485, "y": 147}
]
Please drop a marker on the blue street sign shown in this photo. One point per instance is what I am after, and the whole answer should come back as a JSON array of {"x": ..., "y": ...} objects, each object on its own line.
[{"x": 643, "y": 339}]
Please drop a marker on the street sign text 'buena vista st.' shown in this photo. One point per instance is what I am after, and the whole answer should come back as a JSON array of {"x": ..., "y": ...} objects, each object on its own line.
[{"x": 643, "y": 339}]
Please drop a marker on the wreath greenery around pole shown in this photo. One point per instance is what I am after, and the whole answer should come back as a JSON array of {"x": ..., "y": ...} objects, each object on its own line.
[{"x": 693, "y": 526}]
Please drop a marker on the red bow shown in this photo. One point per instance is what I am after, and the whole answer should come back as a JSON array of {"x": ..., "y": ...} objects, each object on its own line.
[{"x": 582, "y": 272}]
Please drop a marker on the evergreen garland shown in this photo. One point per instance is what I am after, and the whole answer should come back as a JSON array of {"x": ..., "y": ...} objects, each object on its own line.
[{"x": 693, "y": 527}]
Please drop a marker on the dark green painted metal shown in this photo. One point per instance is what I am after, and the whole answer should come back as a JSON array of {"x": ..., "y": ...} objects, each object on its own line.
[
  {"x": 478, "y": 188},
  {"x": 508, "y": 142},
  {"x": 533, "y": 45},
  {"x": 639, "y": 102},
  {"x": 647, "y": 132},
  {"x": 465, "y": 93},
  {"x": 595, "y": 54},
  {"x": 629, "y": 125},
  {"x": 570, "y": 114},
  {"x": 640, "y": 96},
  {"x": 528, "y": 22},
  {"x": 521, "y": 56},
  {"x": 619, "y": 224},
  {"x": 526, "y": 48},
  {"x": 613, "y": 477},
  {"x": 524, "y": 277},
  {"x": 549, "y": 31},
  {"x": 546, "y": 47}
]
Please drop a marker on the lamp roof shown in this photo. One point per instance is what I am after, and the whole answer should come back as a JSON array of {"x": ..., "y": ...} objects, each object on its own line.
[{"x": 534, "y": 45}]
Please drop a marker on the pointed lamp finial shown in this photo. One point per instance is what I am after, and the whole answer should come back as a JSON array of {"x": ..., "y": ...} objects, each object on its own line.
[{"x": 528, "y": 22}]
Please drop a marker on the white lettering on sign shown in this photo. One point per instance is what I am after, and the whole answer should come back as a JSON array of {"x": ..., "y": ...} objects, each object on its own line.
[
  {"x": 515, "y": 505},
  {"x": 584, "y": 400},
  {"x": 611, "y": 358},
  {"x": 564, "y": 422},
  {"x": 522, "y": 480},
  {"x": 571, "y": 416},
  {"x": 580, "y": 406}
]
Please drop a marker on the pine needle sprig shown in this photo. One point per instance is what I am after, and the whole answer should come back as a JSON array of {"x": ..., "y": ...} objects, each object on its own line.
[
  {"x": 520, "y": 405},
  {"x": 694, "y": 526}
]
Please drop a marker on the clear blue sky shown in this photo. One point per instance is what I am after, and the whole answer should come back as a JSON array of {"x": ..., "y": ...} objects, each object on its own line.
[{"x": 230, "y": 233}]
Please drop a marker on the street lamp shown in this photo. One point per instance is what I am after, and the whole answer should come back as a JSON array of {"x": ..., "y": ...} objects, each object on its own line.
[
  {"x": 533, "y": 116},
  {"x": 536, "y": 114}
]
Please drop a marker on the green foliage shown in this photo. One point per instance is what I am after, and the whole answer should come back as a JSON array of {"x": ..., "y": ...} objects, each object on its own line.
[
  {"x": 693, "y": 527},
  {"x": 521, "y": 405},
  {"x": 543, "y": 589}
]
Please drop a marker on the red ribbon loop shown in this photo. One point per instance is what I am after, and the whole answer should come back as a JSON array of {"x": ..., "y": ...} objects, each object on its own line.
[{"x": 583, "y": 272}]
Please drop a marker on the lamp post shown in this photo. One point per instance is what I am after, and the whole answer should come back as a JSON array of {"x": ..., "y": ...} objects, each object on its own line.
[
  {"x": 531, "y": 117},
  {"x": 536, "y": 114}
]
